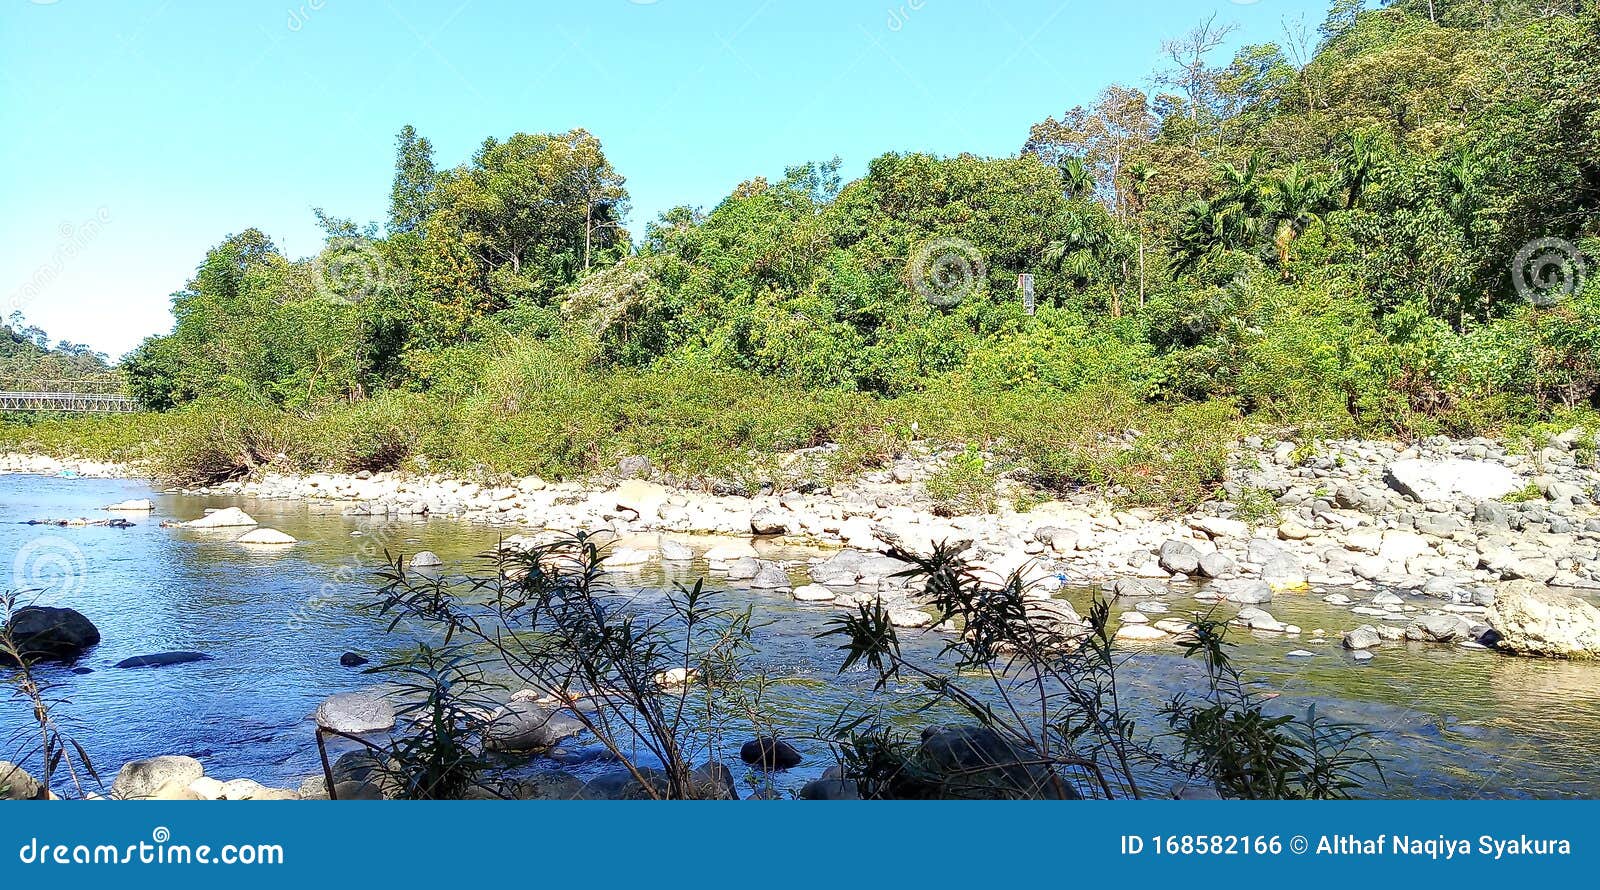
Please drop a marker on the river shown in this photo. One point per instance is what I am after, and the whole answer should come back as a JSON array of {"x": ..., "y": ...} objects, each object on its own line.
[{"x": 1448, "y": 722}]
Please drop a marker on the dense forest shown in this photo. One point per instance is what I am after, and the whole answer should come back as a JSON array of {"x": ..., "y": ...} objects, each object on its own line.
[
  {"x": 26, "y": 355},
  {"x": 1378, "y": 225}
]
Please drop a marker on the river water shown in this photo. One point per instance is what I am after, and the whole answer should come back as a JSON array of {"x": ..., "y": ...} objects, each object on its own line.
[{"x": 1448, "y": 722}]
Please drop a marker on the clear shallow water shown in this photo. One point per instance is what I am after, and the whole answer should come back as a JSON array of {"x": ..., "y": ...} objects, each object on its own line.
[{"x": 1449, "y": 722}]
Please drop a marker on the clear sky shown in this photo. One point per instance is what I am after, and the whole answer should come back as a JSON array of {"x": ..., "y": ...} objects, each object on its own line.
[{"x": 135, "y": 134}]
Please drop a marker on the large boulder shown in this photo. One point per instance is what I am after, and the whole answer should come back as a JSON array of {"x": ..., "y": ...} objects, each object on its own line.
[
  {"x": 770, "y": 576},
  {"x": 43, "y": 632},
  {"x": 644, "y": 498},
  {"x": 635, "y": 466},
  {"x": 355, "y": 713},
  {"x": 145, "y": 779},
  {"x": 525, "y": 726},
  {"x": 17, "y": 784},
  {"x": 227, "y": 517},
  {"x": 1534, "y": 620},
  {"x": 975, "y": 762},
  {"x": 770, "y": 754},
  {"x": 1433, "y": 481}
]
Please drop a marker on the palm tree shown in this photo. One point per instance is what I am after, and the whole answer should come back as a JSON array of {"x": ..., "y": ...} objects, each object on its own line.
[
  {"x": 1356, "y": 161},
  {"x": 1090, "y": 250},
  {"x": 1295, "y": 200},
  {"x": 1076, "y": 178}
]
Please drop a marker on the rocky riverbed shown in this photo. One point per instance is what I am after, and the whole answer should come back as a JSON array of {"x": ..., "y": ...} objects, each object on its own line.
[
  {"x": 1432, "y": 528},
  {"x": 1464, "y": 544}
]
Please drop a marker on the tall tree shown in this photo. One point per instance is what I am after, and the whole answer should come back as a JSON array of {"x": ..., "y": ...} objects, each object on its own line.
[{"x": 410, "y": 199}]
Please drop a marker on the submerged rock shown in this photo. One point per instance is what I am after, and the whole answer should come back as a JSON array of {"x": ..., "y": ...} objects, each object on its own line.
[
  {"x": 141, "y": 505},
  {"x": 162, "y": 659},
  {"x": 356, "y": 713}
]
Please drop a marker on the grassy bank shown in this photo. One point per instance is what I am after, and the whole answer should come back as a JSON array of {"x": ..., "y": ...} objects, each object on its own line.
[{"x": 541, "y": 410}]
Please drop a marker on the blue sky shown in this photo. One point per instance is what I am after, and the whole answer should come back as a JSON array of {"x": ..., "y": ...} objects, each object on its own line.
[{"x": 138, "y": 133}]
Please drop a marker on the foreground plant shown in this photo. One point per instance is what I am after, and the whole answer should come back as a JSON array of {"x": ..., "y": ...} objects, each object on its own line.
[
  {"x": 1042, "y": 684},
  {"x": 442, "y": 756},
  {"x": 42, "y": 738},
  {"x": 653, "y": 682}
]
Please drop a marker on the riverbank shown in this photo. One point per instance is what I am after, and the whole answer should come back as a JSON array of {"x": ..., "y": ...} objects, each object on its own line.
[
  {"x": 1433, "y": 528},
  {"x": 1440, "y": 516}
]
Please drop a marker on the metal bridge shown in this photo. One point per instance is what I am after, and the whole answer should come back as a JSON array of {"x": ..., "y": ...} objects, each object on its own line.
[{"x": 93, "y": 395}]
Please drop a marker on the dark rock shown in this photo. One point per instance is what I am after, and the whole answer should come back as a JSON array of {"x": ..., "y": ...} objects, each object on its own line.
[
  {"x": 162, "y": 659},
  {"x": 770, "y": 754},
  {"x": 830, "y": 789},
  {"x": 42, "y": 632},
  {"x": 714, "y": 781},
  {"x": 635, "y": 467},
  {"x": 554, "y": 785},
  {"x": 352, "y": 660},
  {"x": 975, "y": 762}
]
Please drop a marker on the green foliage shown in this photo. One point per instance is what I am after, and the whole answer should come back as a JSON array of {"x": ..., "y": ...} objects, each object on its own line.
[
  {"x": 1309, "y": 236},
  {"x": 1043, "y": 685},
  {"x": 1230, "y": 741},
  {"x": 965, "y": 484},
  {"x": 651, "y": 686}
]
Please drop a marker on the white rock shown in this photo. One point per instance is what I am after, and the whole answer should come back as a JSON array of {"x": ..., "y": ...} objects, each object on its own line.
[
  {"x": 1431, "y": 481},
  {"x": 1140, "y": 633},
  {"x": 142, "y": 505},
  {"x": 266, "y": 536},
  {"x": 227, "y": 517},
  {"x": 813, "y": 593}
]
